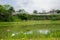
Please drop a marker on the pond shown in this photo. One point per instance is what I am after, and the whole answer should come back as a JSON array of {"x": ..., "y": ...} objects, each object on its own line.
[{"x": 32, "y": 32}]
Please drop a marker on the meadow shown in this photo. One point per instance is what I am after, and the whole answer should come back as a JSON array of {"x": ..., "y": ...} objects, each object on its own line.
[
  {"x": 30, "y": 30},
  {"x": 22, "y": 25}
]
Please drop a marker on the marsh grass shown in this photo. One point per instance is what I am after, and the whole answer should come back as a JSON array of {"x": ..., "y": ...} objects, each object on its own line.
[{"x": 19, "y": 29}]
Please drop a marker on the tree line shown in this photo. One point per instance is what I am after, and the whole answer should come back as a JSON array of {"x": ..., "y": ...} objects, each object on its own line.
[{"x": 6, "y": 14}]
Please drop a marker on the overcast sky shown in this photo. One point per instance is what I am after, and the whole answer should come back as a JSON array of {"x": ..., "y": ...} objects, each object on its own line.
[{"x": 30, "y": 5}]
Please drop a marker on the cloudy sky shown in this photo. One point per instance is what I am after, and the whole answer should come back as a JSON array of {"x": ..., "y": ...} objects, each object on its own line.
[{"x": 30, "y": 5}]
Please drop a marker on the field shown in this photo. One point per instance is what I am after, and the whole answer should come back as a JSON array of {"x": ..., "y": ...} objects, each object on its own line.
[{"x": 30, "y": 30}]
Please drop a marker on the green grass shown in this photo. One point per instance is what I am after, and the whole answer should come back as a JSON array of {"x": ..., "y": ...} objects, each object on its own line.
[{"x": 30, "y": 25}]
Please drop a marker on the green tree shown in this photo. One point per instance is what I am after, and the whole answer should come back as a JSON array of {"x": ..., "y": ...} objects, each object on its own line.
[
  {"x": 6, "y": 12},
  {"x": 58, "y": 11},
  {"x": 22, "y": 11},
  {"x": 35, "y": 11}
]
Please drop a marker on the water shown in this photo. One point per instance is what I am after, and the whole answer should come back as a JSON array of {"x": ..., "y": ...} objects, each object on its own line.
[
  {"x": 43, "y": 31},
  {"x": 29, "y": 32},
  {"x": 32, "y": 32},
  {"x": 38, "y": 31}
]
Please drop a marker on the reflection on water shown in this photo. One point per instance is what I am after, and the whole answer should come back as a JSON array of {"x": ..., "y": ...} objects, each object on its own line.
[
  {"x": 38, "y": 31},
  {"x": 44, "y": 31},
  {"x": 32, "y": 32},
  {"x": 29, "y": 32}
]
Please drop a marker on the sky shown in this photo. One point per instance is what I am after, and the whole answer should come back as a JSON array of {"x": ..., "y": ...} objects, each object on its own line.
[{"x": 30, "y": 5}]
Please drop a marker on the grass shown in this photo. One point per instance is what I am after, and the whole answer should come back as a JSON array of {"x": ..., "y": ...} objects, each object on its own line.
[
  {"x": 8, "y": 28},
  {"x": 34, "y": 39}
]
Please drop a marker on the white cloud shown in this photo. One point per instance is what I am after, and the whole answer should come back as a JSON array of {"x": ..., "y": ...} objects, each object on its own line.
[{"x": 31, "y": 5}]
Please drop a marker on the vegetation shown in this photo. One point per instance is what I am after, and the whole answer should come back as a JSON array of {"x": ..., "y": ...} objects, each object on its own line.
[
  {"x": 6, "y": 12},
  {"x": 35, "y": 11},
  {"x": 39, "y": 17},
  {"x": 17, "y": 30},
  {"x": 58, "y": 11},
  {"x": 24, "y": 26}
]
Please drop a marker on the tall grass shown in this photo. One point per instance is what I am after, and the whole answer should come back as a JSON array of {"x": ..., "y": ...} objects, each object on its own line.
[{"x": 7, "y": 29}]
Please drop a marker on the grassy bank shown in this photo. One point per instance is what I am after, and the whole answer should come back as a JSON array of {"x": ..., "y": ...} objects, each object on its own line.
[{"x": 17, "y": 30}]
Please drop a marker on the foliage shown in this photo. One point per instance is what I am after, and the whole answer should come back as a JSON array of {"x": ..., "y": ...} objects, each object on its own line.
[
  {"x": 19, "y": 28},
  {"x": 6, "y": 12},
  {"x": 39, "y": 17},
  {"x": 58, "y": 11},
  {"x": 35, "y": 11},
  {"x": 23, "y": 16}
]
